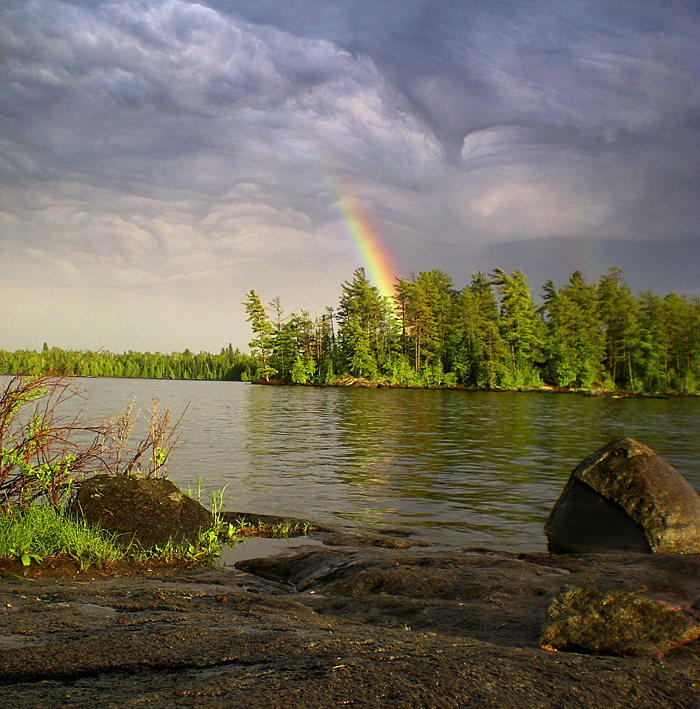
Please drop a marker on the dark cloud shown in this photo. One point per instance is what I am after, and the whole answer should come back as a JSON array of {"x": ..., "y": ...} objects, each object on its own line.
[{"x": 175, "y": 151}]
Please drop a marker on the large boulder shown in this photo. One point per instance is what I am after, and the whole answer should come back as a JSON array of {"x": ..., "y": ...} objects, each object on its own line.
[
  {"x": 625, "y": 497},
  {"x": 149, "y": 510},
  {"x": 615, "y": 623}
]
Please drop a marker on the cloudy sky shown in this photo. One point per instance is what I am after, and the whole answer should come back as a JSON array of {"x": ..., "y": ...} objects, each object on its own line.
[{"x": 160, "y": 158}]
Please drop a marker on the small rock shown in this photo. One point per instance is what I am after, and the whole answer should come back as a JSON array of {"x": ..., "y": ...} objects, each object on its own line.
[
  {"x": 625, "y": 497},
  {"x": 615, "y": 623},
  {"x": 151, "y": 510}
]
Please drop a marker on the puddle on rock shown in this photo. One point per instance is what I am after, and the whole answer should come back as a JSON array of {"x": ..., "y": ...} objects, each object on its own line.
[{"x": 260, "y": 547}]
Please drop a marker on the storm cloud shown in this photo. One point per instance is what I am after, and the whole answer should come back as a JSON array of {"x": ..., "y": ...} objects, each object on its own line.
[{"x": 160, "y": 159}]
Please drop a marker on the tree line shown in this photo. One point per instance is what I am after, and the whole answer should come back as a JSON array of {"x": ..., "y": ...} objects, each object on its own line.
[
  {"x": 488, "y": 335},
  {"x": 229, "y": 364}
]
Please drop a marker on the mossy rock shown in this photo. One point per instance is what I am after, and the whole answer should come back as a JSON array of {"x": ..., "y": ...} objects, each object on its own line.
[
  {"x": 615, "y": 623},
  {"x": 148, "y": 510},
  {"x": 625, "y": 497}
]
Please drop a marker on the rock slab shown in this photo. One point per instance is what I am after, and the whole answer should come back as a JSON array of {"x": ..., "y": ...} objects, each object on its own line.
[
  {"x": 149, "y": 510},
  {"x": 624, "y": 496},
  {"x": 615, "y": 623}
]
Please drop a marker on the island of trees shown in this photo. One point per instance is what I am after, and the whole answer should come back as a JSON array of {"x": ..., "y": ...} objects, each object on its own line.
[{"x": 488, "y": 335}]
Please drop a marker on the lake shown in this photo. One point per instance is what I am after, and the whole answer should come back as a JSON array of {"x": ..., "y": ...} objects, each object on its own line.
[{"x": 454, "y": 468}]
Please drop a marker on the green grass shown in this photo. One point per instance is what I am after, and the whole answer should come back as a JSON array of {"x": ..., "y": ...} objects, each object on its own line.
[
  {"x": 46, "y": 532},
  {"x": 279, "y": 530}
]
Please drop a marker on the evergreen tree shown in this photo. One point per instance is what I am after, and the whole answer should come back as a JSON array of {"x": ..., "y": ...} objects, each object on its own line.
[
  {"x": 521, "y": 328},
  {"x": 364, "y": 319},
  {"x": 481, "y": 349},
  {"x": 574, "y": 341},
  {"x": 618, "y": 310},
  {"x": 262, "y": 328}
]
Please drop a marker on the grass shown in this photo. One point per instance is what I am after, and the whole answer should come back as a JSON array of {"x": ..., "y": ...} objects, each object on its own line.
[
  {"x": 277, "y": 530},
  {"x": 46, "y": 532},
  {"x": 41, "y": 462}
]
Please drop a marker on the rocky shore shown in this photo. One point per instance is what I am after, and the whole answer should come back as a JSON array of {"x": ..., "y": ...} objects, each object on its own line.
[{"x": 355, "y": 621}]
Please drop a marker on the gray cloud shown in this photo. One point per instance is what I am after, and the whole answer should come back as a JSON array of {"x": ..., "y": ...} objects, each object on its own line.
[{"x": 177, "y": 154}]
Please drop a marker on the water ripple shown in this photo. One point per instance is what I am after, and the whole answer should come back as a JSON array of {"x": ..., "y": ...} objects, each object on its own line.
[{"x": 464, "y": 468}]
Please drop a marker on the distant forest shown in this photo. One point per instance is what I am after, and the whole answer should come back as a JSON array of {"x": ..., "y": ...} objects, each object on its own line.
[
  {"x": 488, "y": 335},
  {"x": 229, "y": 364}
]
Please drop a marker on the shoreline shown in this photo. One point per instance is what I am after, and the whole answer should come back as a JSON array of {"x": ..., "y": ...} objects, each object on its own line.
[
  {"x": 360, "y": 383},
  {"x": 358, "y": 620}
]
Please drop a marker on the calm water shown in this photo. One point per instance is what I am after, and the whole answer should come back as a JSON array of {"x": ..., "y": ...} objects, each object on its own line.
[{"x": 454, "y": 468}]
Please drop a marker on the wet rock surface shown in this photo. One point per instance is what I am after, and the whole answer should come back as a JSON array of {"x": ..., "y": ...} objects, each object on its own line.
[
  {"x": 625, "y": 497},
  {"x": 149, "y": 510},
  {"x": 343, "y": 624}
]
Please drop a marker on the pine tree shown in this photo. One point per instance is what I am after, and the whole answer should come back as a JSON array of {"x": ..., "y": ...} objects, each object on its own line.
[
  {"x": 574, "y": 343},
  {"x": 621, "y": 327},
  {"x": 364, "y": 319},
  {"x": 262, "y": 328},
  {"x": 521, "y": 328}
]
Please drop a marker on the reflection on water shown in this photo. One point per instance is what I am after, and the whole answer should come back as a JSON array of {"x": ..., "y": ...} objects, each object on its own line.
[
  {"x": 257, "y": 547},
  {"x": 468, "y": 468}
]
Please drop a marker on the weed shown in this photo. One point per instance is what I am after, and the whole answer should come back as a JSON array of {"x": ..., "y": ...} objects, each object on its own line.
[
  {"x": 118, "y": 457},
  {"x": 196, "y": 493},
  {"x": 39, "y": 455},
  {"x": 41, "y": 464},
  {"x": 278, "y": 530}
]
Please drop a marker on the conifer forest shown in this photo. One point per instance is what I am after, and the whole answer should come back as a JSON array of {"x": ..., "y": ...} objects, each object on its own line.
[{"x": 488, "y": 335}]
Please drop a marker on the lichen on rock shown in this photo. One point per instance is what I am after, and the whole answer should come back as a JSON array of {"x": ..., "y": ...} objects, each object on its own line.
[{"x": 615, "y": 623}]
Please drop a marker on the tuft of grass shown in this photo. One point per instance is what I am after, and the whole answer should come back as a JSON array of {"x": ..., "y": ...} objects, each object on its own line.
[
  {"x": 283, "y": 529},
  {"x": 224, "y": 531},
  {"x": 43, "y": 532}
]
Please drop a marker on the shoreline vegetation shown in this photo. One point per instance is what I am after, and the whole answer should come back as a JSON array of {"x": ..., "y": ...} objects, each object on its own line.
[
  {"x": 595, "y": 338},
  {"x": 45, "y": 457},
  {"x": 228, "y": 365}
]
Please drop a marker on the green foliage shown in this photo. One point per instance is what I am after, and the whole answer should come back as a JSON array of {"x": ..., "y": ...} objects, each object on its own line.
[
  {"x": 521, "y": 329},
  {"x": 47, "y": 532},
  {"x": 261, "y": 346},
  {"x": 40, "y": 463},
  {"x": 575, "y": 344},
  {"x": 402, "y": 373},
  {"x": 229, "y": 364},
  {"x": 38, "y": 532},
  {"x": 426, "y": 308},
  {"x": 326, "y": 375},
  {"x": 303, "y": 370},
  {"x": 487, "y": 335},
  {"x": 282, "y": 529},
  {"x": 39, "y": 456},
  {"x": 491, "y": 335},
  {"x": 367, "y": 325}
]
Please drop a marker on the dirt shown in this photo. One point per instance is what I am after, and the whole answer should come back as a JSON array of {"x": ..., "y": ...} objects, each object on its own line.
[{"x": 359, "y": 621}]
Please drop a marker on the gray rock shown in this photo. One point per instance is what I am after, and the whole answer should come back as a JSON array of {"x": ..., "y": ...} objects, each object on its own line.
[
  {"x": 625, "y": 497},
  {"x": 150, "y": 510},
  {"x": 615, "y": 623}
]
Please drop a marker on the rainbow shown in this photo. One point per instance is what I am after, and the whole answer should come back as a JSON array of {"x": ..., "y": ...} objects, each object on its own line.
[{"x": 373, "y": 254}]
